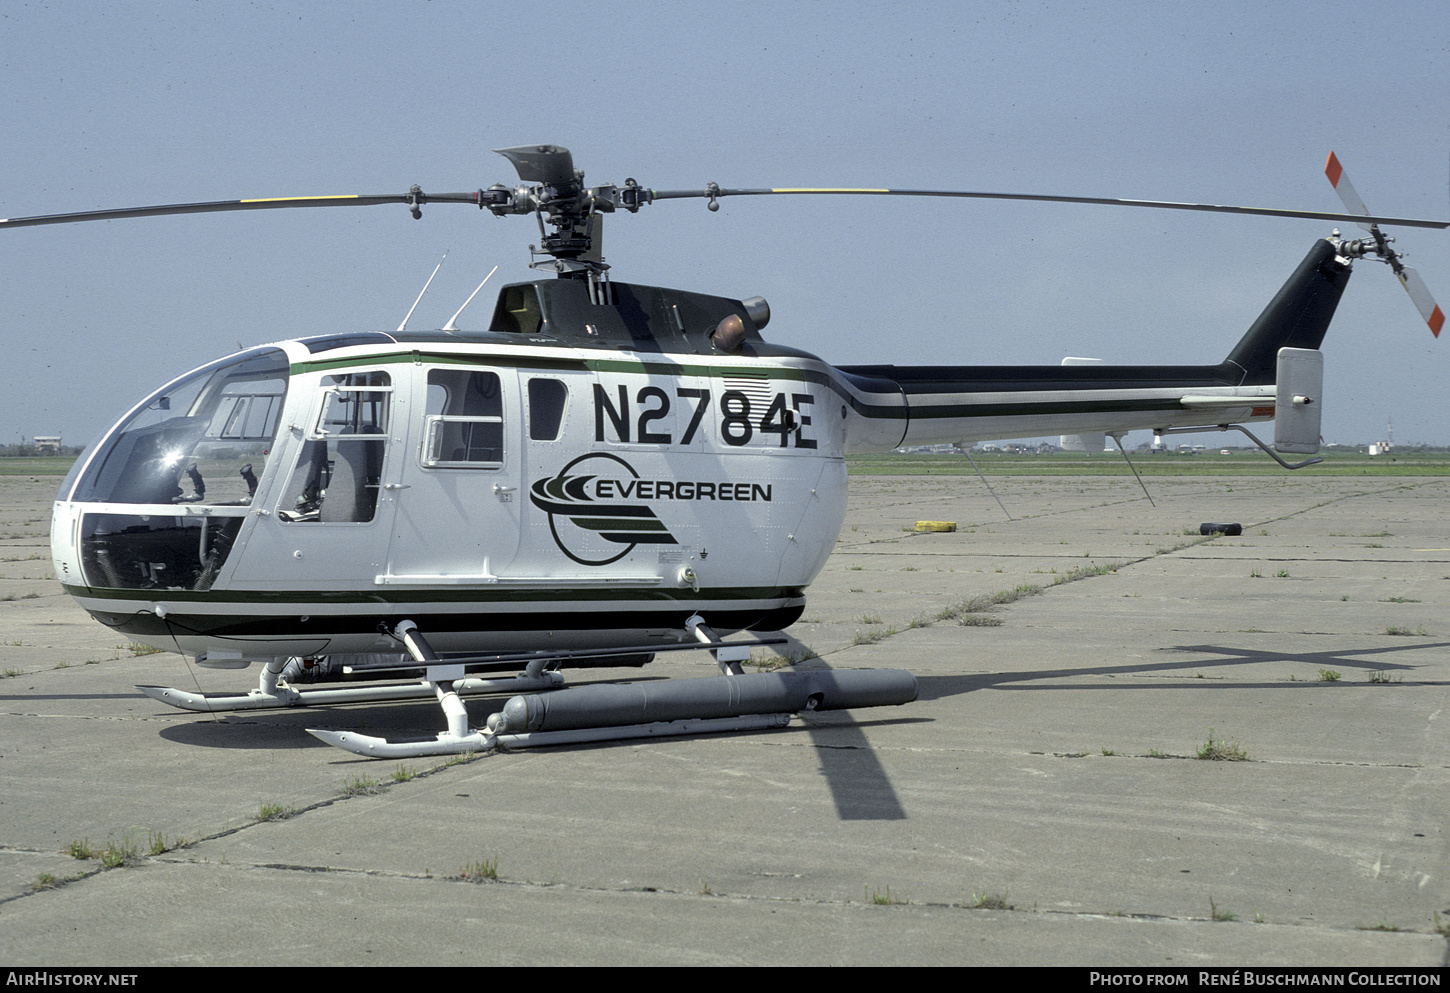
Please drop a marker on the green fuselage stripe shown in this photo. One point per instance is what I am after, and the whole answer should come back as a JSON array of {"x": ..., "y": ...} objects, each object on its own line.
[{"x": 911, "y": 397}]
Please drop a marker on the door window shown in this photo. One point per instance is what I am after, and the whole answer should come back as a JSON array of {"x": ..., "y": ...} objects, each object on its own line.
[
  {"x": 339, "y": 469},
  {"x": 464, "y": 420}
]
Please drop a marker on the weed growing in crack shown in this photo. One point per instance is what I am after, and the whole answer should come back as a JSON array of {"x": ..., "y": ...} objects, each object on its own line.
[
  {"x": 480, "y": 871},
  {"x": 361, "y": 786},
  {"x": 990, "y": 901},
  {"x": 1217, "y": 750},
  {"x": 273, "y": 812},
  {"x": 1216, "y": 914}
]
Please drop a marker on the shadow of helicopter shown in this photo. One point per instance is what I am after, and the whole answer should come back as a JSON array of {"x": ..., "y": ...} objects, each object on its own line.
[
  {"x": 860, "y": 787},
  {"x": 940, "y": 687}
]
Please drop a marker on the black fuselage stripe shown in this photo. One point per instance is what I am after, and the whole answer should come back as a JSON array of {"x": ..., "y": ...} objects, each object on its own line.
[{"x": 669, "y": 615}]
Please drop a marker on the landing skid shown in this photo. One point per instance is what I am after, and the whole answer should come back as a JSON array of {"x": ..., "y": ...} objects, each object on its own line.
[
  {"x": 481, "y": 741},
  {"x": 541, "y": 712}
]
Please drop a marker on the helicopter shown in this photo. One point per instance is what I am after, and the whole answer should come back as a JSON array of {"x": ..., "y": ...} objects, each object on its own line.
[{"x": 606, "y": 471}]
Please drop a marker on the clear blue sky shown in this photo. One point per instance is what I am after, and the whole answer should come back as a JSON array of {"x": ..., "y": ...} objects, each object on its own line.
[{"x": 106, "y": 105}]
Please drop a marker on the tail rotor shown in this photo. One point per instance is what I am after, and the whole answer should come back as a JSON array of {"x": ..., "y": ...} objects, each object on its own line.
[{"x": 1377, "y": 245}]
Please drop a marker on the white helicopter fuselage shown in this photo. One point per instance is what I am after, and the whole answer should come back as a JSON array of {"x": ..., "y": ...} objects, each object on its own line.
[{"x": 660, "y": 505}]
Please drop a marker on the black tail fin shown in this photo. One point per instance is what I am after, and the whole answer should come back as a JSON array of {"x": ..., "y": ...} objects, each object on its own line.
[{"x": 1297, "y": 317}]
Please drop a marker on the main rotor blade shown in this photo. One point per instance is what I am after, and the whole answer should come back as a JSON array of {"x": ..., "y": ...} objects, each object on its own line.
[
  {"x": 966, "y": 194},
  {"x": 260, "y": 203}
]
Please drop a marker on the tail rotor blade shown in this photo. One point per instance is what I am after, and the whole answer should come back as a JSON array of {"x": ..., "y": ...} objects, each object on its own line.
[
  {"x": 1347, "y": 193},
  {"x": 1420, "y": 294}
]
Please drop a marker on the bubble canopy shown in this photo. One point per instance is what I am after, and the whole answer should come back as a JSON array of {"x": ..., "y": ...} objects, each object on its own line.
[
  {"x": 203, "y": 438},
  {"x": 163, "y": 494}
]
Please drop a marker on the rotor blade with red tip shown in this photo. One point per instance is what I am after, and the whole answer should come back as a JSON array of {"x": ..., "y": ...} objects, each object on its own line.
[
  {"x": 1347, "y": 193},
  {"x": 1420, "y": 294}
]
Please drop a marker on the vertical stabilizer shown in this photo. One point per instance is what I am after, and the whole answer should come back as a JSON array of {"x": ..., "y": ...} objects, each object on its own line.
[
  {"x": 1297, "y": 317},
  {"x": 1297, "y": 400}
]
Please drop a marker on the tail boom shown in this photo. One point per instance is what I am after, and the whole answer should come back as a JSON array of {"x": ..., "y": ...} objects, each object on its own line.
[{"x": 922, "y": 405}]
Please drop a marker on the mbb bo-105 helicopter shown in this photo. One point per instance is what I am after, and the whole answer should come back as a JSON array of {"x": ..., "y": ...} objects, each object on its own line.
[{"x": 605, "y": 471}]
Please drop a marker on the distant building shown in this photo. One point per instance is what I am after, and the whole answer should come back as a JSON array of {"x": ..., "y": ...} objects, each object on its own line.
[{"x": 47, "y": 443}]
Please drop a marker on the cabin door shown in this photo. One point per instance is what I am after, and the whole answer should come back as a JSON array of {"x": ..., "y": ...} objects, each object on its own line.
[
  {"x": 459, "y": 506},
  {"x": 329, "y": 528}
]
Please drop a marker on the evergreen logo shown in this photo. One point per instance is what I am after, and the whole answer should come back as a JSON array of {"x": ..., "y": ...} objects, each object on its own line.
[{"x": 591, "y": 514}]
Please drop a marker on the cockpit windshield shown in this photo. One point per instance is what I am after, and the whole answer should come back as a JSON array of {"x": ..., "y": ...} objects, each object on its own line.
[{"x": 203, "y": 439}]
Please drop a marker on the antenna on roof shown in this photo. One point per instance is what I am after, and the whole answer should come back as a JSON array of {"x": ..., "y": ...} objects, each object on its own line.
[
  {"x": 450, "y": 326},
  {"x": 421, "y": 292}
]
